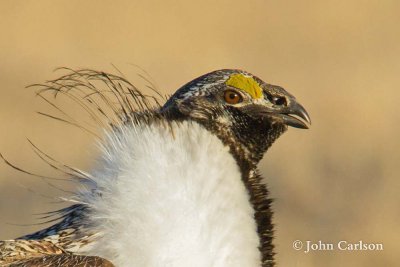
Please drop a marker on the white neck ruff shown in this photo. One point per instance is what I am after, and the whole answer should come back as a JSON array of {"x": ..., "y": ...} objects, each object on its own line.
[{"x": 171, "y": 195}]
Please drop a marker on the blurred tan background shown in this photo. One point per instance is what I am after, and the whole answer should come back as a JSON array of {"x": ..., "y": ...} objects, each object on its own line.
[{"x": 341, "y": 59}]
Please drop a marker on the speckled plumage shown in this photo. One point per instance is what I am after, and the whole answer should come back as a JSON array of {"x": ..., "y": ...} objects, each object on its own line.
[{"x": 247, "y": 128}]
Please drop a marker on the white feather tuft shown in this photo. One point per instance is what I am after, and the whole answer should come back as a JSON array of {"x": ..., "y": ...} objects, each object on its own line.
[{"x": 170, "y": 195}]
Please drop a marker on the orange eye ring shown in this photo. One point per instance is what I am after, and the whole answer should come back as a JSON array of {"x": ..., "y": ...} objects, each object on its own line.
[{"x": 232, "y": 97}]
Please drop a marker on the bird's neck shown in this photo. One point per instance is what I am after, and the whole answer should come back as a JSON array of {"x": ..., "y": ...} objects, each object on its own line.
[
  {"x": 247, "y": 154},
  {"x": 259, "y": 198}
]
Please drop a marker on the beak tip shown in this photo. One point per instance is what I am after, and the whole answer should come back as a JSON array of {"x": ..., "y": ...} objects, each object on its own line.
[
  {"x": 300, "y": 111},
  {"x": 307, "y": 118}
]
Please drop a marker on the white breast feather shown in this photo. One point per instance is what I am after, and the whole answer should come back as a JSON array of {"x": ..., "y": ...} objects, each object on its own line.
[{"x": 171, "y": 196}]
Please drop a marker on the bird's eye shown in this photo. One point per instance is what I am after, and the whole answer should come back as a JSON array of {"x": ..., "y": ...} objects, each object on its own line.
[{"x": 232, "y": 97}]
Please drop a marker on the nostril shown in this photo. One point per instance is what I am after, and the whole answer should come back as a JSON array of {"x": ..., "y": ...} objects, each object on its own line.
[{"x": 277, "y": 100}]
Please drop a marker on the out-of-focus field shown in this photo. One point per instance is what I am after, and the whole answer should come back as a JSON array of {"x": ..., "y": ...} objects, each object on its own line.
[{"x": 341, "y": 59}]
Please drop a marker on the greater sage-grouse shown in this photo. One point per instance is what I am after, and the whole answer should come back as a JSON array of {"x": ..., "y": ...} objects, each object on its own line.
[{"x": 175, "y": 184}]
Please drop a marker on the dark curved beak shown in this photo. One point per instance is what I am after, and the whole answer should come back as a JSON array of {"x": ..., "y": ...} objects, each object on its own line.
[
  {"x": 292, "y": 114},
  {"x": 295, "y": 115}
]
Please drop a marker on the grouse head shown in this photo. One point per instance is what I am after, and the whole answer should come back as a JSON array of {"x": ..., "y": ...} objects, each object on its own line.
[{"x": 243, "y": 111}]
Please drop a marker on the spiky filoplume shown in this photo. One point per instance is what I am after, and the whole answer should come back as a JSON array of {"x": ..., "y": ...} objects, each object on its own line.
[{"x": 198, "y": 153}]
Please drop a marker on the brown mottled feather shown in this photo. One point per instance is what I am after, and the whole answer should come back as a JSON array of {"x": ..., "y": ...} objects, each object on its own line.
[
  {"x": 65, "y": 260},
  {"x": 42, "y": 253},
  {"x": 15, "y": 250}
]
